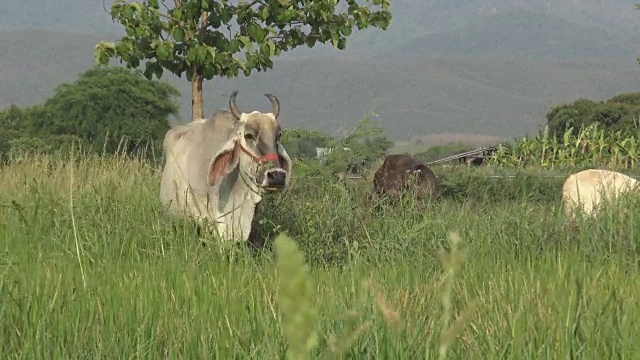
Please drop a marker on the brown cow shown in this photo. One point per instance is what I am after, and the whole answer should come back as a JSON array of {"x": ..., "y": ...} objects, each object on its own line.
[{"x": 398, "y": 172}]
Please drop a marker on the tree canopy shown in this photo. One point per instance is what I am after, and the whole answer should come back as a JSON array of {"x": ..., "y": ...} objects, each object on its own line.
[
  {"x": 620, "y": 113},
  {"x": 200, "y": 38},
  {"x": 103, "y": 106}
]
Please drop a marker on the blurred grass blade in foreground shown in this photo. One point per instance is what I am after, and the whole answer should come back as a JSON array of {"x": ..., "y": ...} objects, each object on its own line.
[{"x": 295, "y": 299}]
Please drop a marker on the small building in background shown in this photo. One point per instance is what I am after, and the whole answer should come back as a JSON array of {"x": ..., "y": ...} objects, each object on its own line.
[{"x": 322, "y": 153}]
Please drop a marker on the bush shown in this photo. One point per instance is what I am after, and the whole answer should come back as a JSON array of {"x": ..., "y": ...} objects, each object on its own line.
[{"x": 24, "y": 146}]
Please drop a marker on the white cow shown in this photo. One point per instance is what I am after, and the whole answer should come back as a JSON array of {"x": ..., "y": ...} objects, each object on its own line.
[
  {"x": 217, "y": 170},
  {"x": 588, "y": 189}
]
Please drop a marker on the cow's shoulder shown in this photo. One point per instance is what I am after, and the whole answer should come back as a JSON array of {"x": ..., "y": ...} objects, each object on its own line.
[{"x": 178, "y": 132}]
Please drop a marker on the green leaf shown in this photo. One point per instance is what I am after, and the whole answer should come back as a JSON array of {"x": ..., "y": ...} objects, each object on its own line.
[
  {"x": 130, "y": 30},
  {"x": 257, "y": 33},
  {"x": 139, "y": 32},
  {"x": 283, "y": 2},
  {"x": 251, "y": 61},
  {"x": 311, "y": 41},
  {"x": 212, "y": 52},
  {"x": 148, "y": 70},
  {"x": 334, "y": 38},
  {"x": 177, "y": 14},
  {"x": 208, "y": 72},
  {"x": 191, "y": 54},
  {"x": 201, "y": 53},
  {"x": 342, "y": 44},
  {"x": 98, "y": 56},
  {"x": 153, "y": 4},
  {"x": 263, "y": 13},
  {"x": 178, "y": 34},
  {"x": 234, "y": 46},
  {"x": 106, "y": 45},
  {"x": 246, "y": 41},
  {"x": 158, "y": 71},
  {"x": 189, "y": 73},
  {"x": 127, "y": 13},
  {"x": 346, "y": 30},
  {"x": 272, "y": 48},
  {"x": 163, "y": 51},
  {"x": 134, "y": 62},
  {"x": 137, "y": 7}
]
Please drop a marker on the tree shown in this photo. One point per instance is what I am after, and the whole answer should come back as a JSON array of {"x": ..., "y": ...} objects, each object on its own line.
[
  {"x": 562, "y": 117},
  {"x": 612, "y": 117},
  {"x": 621, "y": 112},
  {"x": 197, "y": 37},
  {"x": 106, "y": 104}
]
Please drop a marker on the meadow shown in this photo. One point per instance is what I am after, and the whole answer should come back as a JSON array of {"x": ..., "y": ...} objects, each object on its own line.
[{"x": 90, "y": 267}]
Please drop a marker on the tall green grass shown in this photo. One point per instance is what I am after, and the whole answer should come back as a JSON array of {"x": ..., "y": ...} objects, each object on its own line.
[{"x": 90, "y": 267}]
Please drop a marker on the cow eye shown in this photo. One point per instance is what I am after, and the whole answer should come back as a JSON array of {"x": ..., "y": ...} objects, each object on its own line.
[{"x": 249, "y": 137}]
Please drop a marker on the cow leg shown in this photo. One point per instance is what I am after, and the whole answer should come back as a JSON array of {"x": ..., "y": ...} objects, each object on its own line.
[{"x": 255, "y": 241}]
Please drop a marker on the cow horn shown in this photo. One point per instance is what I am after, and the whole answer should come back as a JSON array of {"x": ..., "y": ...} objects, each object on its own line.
[
  {"x": 233, "y": 107},
  {"x": 275, "y": 104}
]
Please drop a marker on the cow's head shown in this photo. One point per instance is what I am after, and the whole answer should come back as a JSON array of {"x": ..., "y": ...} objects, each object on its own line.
[{"x": 256, "y": 148}]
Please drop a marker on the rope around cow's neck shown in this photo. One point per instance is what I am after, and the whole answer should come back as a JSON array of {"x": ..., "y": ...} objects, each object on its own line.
[{"x": 259, "y": 159}]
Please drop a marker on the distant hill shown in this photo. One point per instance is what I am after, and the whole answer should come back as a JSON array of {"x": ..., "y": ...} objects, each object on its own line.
[
  {"x": 466, "y": 94},
  {"x": 33, "y": 63},
  {"x": 472, "y": 95},
  {"x": 412, "y": 19},
  {"x": 523, "y": 34}
]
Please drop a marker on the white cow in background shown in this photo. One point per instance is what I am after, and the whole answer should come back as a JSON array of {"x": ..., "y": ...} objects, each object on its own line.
[{"x": 588, "y": 189}]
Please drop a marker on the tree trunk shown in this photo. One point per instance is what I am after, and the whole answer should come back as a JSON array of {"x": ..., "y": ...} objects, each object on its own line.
[{"x": 196, "y": 96}]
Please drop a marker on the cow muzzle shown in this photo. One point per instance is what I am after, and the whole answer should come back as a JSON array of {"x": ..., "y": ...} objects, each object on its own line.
[{"x": 274, "y": 179}]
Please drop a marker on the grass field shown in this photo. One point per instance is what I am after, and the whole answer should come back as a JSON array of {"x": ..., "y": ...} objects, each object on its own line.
[{"x": 91, "y": 268}]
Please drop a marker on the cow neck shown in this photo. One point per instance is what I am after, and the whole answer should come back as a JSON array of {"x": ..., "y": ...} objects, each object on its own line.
[{"x": 259, "y": 159}]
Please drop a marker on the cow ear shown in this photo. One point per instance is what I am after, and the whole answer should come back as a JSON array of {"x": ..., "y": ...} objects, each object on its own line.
[{"x": 224, "y": 163}]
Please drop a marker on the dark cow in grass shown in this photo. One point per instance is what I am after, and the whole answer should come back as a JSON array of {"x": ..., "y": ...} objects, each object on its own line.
[{"x": 402, "y": 173}]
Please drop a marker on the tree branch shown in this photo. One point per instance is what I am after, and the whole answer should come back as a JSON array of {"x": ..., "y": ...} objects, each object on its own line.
[{"x": 104, "y": 7}]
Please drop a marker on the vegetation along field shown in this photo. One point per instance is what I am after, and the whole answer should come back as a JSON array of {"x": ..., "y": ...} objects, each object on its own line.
[{"x": 91, "y": 267}]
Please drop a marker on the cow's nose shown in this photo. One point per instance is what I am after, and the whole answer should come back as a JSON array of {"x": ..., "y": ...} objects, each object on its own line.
[{"x": 276, "y": 177}]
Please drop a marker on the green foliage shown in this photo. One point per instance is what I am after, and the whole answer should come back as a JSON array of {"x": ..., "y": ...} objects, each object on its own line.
[
  {"x": 198, "y": 37},
  {"x": 106, "y": 104},
  {"x": 301, "y": 143},
  {"x": 28, "y": 145},
  {"x": 295, "y": 296},
  {"x": 103, "y": 107},
  {"x": 495, "y": 184},
  {"x": 21, "y": 119},
  {"x": 620, "y": 113},
  {"x": 632, "y": 99},
  {"x": 593, "y": 146},
  {"x": 153, "y": 291},
  {"x": 6, "y": 136},
  {"x": 366, "y": 145}
]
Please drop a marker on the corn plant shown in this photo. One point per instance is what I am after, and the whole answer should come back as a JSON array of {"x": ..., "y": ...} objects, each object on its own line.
[{"x": 592, "y": 146}]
